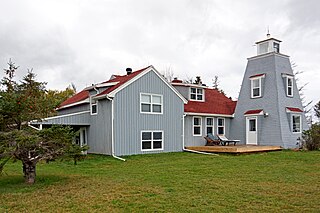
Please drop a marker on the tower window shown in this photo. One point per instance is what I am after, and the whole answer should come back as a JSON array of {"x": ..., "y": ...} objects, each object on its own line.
[
  {"x": 276, "y": 47},
  {"x": 296, "y": 123},
  {"x": 256, "y": 88},
  {"x": 290, "y": 86}
]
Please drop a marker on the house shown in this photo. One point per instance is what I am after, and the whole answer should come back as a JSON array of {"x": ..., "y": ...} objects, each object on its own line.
[
  {"x": 141, "y": 112},
  {"x": 207, "y": 111},
  {"x": 136, "y": 113},
  {"x": 269, "y": 109}
]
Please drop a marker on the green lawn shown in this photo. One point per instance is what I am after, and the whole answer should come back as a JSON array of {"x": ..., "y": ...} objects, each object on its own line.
[{"x": 284, "y": 181}]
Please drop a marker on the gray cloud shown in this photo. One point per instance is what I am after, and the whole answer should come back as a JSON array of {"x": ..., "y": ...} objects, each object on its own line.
[{"x": 86, "y": 41}]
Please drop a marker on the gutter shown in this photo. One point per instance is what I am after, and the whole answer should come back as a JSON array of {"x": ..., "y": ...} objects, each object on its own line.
[
  {"x": 112, "y": 132},
  {"x": 189, "y": 150}
]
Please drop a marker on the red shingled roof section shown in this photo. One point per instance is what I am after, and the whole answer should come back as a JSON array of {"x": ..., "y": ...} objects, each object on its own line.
[
  {"x": 253, "y": 111},
  {"x": 257, "y": 75},
  {"x": 215, "y": 103},
  {"x": 294, "y": 109},
  {"x": 76, "y": 98},
  {"x": 85, "y": 94},
  {"x": 121, "y": 79}
]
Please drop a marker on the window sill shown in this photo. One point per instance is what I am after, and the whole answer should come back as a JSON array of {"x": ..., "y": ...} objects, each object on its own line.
[{"x": 150, "y": 150}]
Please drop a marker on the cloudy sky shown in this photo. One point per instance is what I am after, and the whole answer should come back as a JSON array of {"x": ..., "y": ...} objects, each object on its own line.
[{"x": 84, "y": 42}]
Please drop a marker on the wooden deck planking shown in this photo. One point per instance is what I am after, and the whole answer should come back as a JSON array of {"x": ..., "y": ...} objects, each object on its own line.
[{"x": 235, "y": 149}]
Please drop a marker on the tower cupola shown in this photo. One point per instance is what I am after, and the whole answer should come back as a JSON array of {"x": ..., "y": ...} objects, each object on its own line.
[{"x": 268, "y": 45}]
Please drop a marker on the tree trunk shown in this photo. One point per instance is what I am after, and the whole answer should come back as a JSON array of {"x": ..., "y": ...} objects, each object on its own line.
[{"x": 29, "y": 172}]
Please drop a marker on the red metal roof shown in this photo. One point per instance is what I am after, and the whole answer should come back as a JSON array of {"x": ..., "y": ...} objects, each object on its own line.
[
  {"x": 215, "y": 103},
  {"x": 253, "y": 111},
  {"x": 121, "y": 79},
  {"x": 294, "y": 109},
  {"x": 76, "y": 98},
  {"x": 257, "y": 75},
  {"x": 117, "y": 78}
]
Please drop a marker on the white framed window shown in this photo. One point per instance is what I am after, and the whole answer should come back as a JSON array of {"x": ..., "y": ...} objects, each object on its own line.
[
  {"x": 151, "y": 140},
  {"x": 256, "y": 87},
  {"x": 209, "y": 126},
  {"x": 196, "y": 94},
  {"x": 93, "y": 106},
  {"x": 296, "y": 123},
  {"x": 197, "y": 127},
  {"x": 290, "y": 86},
  {"x": 220, "y": 126},
  {"x": 151, "y": 103}
]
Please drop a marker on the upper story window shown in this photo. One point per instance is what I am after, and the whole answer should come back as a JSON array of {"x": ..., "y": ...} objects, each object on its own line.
[
  {"x": 93, "y": 106},
  {"x": 151, "y": 103},
  {"x": 290, "y": 86},
  {"x": 196, "y": 94},
  {"x": 256, "y": 85},
  {"x": 276, "y": 47},
  {"x": 221, "y": 126},
  {"x": 288, "y": 81},
  {"x": 256, "y": 88}
]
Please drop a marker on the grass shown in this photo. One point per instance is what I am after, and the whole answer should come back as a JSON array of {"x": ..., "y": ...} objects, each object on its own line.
[{"x": 174, "y": 182}]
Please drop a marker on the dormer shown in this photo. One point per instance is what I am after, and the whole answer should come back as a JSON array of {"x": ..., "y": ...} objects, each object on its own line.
[
  {"x": 191, "y": 91},
  {"x": 268, "y": 45}
]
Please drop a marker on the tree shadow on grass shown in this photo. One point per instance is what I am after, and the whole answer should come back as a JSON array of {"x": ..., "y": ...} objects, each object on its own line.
[{"x": 16, "y": 184}]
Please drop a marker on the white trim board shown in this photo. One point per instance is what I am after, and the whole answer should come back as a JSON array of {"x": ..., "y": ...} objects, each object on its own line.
[{"x": 67, "y": 115}]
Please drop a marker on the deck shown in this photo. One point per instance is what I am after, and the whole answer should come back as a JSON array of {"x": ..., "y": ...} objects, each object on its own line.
[{"x": 238, "y": 149}]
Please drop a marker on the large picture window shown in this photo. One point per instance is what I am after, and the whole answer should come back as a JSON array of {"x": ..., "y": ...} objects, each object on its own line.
[
  {"x": 209, "y": 126},
  {"x": 256, "y": 88},
  {"x": 151, "y": 140},
  {"x": 197, "y": 126},
  {"x": 151, "y": 103},
  {"x": 221, "y": 123},
  {"x": 196, "y": 94},
  {"x": 296, "y": 123}
]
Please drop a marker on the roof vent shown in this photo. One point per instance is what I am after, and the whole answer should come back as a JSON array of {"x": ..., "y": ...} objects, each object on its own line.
[{"x": 129, "y": 71}]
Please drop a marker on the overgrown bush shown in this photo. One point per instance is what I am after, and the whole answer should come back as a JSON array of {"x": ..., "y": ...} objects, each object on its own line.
[{"x": 311, "y": 137}]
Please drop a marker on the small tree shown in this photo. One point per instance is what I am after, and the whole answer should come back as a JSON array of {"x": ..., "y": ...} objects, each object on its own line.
[{"x": 31, "y": 146}]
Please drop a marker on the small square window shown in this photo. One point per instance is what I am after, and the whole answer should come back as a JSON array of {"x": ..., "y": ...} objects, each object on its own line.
[{"x": 196, "y": 94}]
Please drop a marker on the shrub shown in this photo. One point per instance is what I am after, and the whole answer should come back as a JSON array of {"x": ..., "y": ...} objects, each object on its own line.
[{"x": 311, "y": 137}]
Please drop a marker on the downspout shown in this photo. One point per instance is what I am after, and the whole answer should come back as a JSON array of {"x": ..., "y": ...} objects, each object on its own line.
[
  {"x": 112, "y": 132},
  {"x": 189, "y": 150}
]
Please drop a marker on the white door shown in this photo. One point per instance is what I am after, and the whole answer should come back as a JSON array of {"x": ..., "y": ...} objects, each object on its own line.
[{"x": 251, "y": 129}]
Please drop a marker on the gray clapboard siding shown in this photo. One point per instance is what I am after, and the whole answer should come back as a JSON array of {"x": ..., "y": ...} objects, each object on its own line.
[
  {"x": 80, "y": 119},
  {"x": 129, "y": 122},
  {"x": 191, "y": 140},
  {"x": 74, "y": 109},
  {"x": 274, "y": 129},
  {"x": 99, "y": 131}
]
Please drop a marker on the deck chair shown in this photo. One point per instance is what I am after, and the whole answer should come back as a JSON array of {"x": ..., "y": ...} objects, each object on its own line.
[
  {"x": 212, "y": 140},
  {"x": 225, "y": 141}
]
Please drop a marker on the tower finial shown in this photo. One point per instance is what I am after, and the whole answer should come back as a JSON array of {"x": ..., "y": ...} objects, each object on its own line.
[{"x": 268, "y": 33}]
